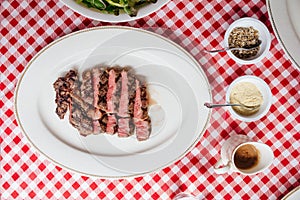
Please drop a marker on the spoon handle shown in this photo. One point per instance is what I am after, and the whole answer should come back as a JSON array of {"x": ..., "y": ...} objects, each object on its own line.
[
  {"x": 211, "y": 105},
  {"x": 229, "y": 48},
  {"x": 218, "y": 50}
]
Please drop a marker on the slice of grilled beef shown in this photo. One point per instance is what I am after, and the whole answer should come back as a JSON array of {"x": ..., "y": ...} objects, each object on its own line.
[
  {"x": 112, "y": 99},
  {"x": 110, "y": 96},
  {"x": 75, "y": 96},
  {"x": 81, "y": 111},
  {"x": 124, "y": 99},
  {"x": 63, "y": 87},
  {"x": 113, "y": 92},
  {"x": 78, "y": 119},
  {"x": 102, "y": 90},
  {"x": 112, "y": 124},
  {"x": 143, "y": 128},
  {"x": 125, "y": 127},
  {"x": 103, "y": 122},
  {"x": 131, "y": 92},
  {"x": 125, "y": 124},
  {"x": 96, "y": 84},
  {"x": 87, "y": 90},
  {"x": 90, "y": 90},
  {"x": 141, "y": 119}
]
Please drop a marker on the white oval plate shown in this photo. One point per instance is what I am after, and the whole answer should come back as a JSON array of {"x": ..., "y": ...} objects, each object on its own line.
[
  {"x": 177, "y": 85},
  {"x": 284, "y": 17},
  {"x": 293, "y": 195},
  {"x": 122, "y": 17}
]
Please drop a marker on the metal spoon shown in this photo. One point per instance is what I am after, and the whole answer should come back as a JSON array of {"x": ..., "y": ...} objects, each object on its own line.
[
  {"x": 211, "y": 105},
  {"x": 249, "y": 48}
]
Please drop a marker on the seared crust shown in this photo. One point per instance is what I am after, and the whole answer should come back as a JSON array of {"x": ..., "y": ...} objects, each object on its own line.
[
  {"x": 63, "y": 87},
  {"x": 131, "y": 92},
  {"x": 87, "y": 87},
  {"x": 103, "y": 87}
]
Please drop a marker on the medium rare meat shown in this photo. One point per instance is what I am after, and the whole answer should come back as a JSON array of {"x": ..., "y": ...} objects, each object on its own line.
[
  {"x": 111, "y": 126},
  {"x": 111, "y": 100},
  {"x": 141, "y": 119},
  {"x": 113, "y": 92},
  {"x": 143, "y": 129},
  {"x": 124, "y": 100},
  {"x": 110, "y": 97},
  {"x": 125, "y": 127}
]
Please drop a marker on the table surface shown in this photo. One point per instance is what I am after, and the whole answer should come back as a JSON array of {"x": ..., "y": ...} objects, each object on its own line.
[{"x": 28, "y": 26}]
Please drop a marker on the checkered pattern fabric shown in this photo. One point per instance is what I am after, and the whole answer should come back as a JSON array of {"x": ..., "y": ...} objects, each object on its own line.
[{"x": 27, "y": 26}]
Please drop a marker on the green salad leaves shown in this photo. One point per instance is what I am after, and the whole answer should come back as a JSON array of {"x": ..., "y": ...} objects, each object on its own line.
[{"x": 115, "y": 6}]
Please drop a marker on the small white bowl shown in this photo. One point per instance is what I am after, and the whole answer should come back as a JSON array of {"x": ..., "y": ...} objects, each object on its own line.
[
  {"x": 265, "y": 91},
  {"x": 264, "y": 36}
]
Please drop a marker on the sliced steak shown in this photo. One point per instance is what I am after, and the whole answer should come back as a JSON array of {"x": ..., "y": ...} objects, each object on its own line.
[
  {"x": 103, "y": 122},
  {"x": 131, "y": 92},
  {"x": 96, "y": 127},
  {"x": 87, "y": 90},
  {"x": 111, "y": 100},
  {"x": 141, "y": 119},
  {"x": 90, "y": 96},
  {"x": 111, "y": 126},
  {"x": 79, "y": 111},
  {"x": 79, "y": 120},
  {"x": 103, "y": 88},
  {"x": 124, "y": 99},
  {"x": 143, "y": 129},
  {"x": 63, "y": 87},
  {"x": 125, "y": 127},
  {"x": 113, "y": 93},
  {"x": 96, "y": 84},
  {"x": 125, "y": 124}
]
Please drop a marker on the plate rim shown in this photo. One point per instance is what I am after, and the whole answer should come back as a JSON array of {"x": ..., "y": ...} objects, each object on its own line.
[
  {"x": 19, "y": 82},
  {"x": 290, "y": 193},
  {"x": 276, "y": 32}
]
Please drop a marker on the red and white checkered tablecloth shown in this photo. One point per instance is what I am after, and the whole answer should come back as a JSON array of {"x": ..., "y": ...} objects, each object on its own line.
[{"x": 28, "y": 26}]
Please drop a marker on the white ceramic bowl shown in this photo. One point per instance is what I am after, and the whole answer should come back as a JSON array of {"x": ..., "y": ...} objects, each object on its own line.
[
  {"x": 264, "y": 36},
  {"x": 265, "y": 91}
]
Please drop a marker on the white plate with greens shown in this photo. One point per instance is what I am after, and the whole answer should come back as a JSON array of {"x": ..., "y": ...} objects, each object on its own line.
[
  {"x": 105, "y": 10},
  {"x": 177, "y": 85}
]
